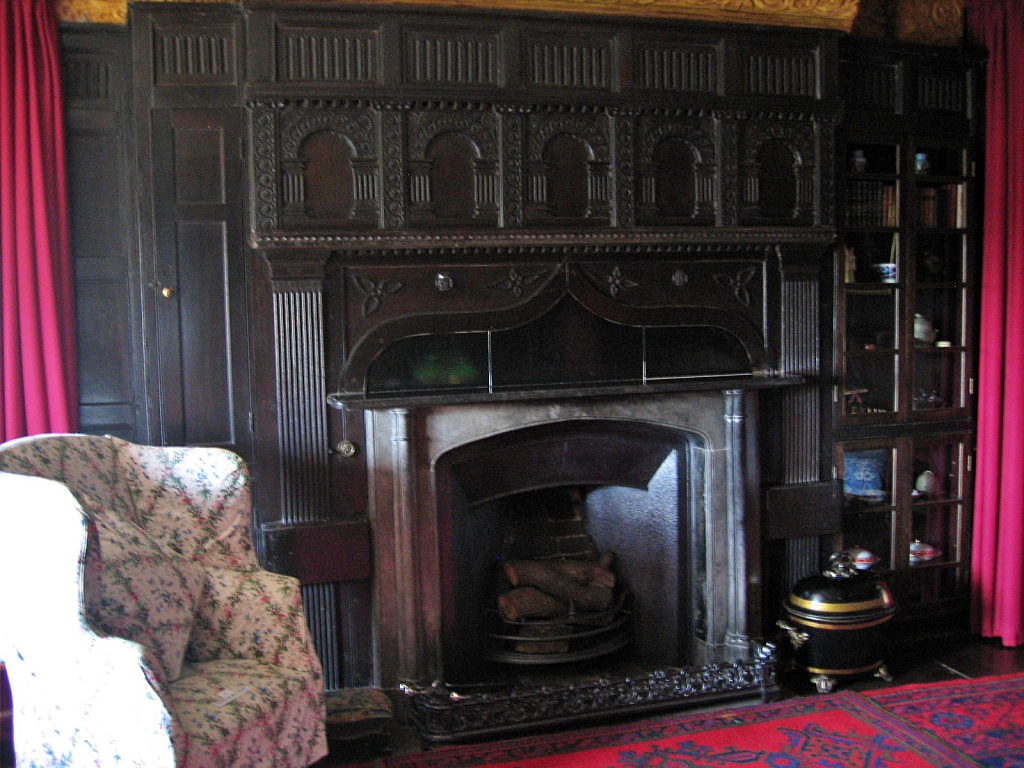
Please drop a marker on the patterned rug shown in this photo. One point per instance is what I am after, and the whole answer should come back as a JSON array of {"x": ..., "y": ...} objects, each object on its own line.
[
  {"x": 841, "y": 730},
  {"x": 982, "y": 718}
]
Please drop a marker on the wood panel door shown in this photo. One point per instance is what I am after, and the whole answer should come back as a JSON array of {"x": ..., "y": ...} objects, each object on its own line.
[{"x": 197, "y": 280}]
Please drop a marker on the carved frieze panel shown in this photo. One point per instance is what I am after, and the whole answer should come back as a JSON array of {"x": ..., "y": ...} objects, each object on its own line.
[
  {"x": 568, "y": 174},
  {"x": 459, "y": 57},
  {"x": 454, "y": 163},
  {"x": 678, "y": 66},
  {"x": 781, "y": 71},
  {"x": 347, "y": 54},
  {"x": 561, "y": 60},
  {"x": 939, "y": 91},
  {"x": 89, "y": 79},
  {"x": 677, "y": 170},
  {"x": 872, "y": 85},
  {"x": 184, "y": 55},
  {"x": 778, "y": 176}
]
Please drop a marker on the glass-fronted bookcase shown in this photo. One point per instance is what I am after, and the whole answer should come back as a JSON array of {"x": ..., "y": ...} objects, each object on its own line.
[
  {"x": 904, "y": 249},
  {"x": 907, "y": 501},
  {"x": 908, "y": 221}
]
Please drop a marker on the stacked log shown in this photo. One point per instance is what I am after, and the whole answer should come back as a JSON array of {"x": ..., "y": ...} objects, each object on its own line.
[{"x": 548, "y": 590}]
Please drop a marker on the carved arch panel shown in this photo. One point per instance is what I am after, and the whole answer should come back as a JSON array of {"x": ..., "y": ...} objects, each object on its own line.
[
  {"x": 453, "y": 168},
  {"x": 677, "y": 171},
  {"x": 777, "y": 170},
  {"x": 329, "y": 172},
  {"x": 556, "y": 144}
]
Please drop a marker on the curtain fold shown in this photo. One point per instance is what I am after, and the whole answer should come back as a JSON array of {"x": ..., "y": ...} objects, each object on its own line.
[
  {"x": 37, "y": 310},
  {"x": 998, "y": 544}
]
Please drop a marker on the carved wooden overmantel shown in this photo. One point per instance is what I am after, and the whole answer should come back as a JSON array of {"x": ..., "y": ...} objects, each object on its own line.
[
  {"x": 420, "y": 174},
  {"x": 378, "y": 123}
]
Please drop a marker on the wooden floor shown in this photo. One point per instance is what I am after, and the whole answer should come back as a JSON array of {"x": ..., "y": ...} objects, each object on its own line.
[{"x": 922, "y": 663}]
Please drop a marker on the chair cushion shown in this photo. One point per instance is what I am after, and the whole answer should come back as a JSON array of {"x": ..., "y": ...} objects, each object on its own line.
[
  {"x": 265, "y": 709},
  {"x": 137, "y": 591}
]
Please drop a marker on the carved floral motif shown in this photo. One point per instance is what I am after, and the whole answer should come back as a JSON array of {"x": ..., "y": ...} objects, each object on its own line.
[
  {"x": 516, "y": 283},
  {"x": 738, "y": 283},
  {"x": 374, "y": 293}
]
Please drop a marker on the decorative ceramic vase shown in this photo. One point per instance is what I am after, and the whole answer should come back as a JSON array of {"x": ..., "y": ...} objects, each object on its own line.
[{"x": 924, "y": 331}]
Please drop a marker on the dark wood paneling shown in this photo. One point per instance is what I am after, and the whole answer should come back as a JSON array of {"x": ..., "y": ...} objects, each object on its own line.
[
  {"x": 109, "y": 354},
  {"x": 321, "y": 552},
  {"x": 801, "y": 510}
]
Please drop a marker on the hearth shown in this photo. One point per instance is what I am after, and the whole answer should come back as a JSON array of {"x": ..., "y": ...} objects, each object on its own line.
[{"x": 664, "y": 482}]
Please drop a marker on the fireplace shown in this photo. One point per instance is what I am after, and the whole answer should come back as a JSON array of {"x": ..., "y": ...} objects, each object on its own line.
[
  {"x": 679, "y": 466},
  {"x": 669, "y": 484}
]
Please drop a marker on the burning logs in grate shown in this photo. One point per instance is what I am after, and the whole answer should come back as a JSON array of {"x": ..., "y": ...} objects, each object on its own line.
[{"x": 559, "y": 610}]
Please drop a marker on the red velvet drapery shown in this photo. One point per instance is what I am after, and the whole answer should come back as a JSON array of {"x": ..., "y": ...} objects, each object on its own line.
[
  {"x": 37, "y": 364},
  {"x": 998, "y": 550}
]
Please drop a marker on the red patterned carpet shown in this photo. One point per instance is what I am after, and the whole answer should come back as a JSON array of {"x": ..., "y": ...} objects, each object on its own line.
[
  {"x": 841, "y": 730},
  {"x": 983, "y": 718},
  {"x": 970, "y": 723}
]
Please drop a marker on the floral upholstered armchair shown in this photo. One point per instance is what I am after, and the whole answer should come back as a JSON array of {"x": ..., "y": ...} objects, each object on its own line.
[{"x": 136, "y": 624}]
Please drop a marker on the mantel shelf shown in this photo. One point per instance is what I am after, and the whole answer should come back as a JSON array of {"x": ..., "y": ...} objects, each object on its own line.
[
  {"x": 357, "y": 401},
  {"x": 711, "y": 238}
]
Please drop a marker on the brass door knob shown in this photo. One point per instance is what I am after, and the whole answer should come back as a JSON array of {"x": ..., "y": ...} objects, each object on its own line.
[
  {"x": 167, "y": 291},
  {"x": 346, "y": 448}
]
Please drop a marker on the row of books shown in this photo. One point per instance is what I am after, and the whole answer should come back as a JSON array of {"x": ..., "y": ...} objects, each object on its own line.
[
  {"x": 872, "y": 204},
  {"x": 941, "y": 206},
  {"x": 876, "y": 204}
]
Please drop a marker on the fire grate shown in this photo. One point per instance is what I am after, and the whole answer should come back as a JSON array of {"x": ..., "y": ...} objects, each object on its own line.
[{"x": 577, "y": 636}]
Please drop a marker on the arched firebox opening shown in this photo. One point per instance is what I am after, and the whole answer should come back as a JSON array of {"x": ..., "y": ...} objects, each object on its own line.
[{"x": 571, "y": 544}]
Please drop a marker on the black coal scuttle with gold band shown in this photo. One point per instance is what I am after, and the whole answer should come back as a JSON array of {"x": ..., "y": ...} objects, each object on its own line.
[{"x": 835, "y": 623}]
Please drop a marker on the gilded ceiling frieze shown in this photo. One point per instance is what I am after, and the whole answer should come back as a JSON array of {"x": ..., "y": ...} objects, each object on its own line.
[
  {"x": 937, "y": 22},
  {"x": 828, "y": 14},
  {"x": 101, "y": 11}
]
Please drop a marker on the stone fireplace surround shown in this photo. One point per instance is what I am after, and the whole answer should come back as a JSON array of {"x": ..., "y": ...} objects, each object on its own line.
[{"x": 413, "y": 532}]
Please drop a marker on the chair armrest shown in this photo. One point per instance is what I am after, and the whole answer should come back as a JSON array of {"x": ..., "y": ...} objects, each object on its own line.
[
  {"x": 255, "y": 615},
  {"x": 89, "y": 700}
]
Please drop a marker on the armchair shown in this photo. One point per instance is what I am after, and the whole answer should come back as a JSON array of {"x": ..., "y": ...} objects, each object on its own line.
[{"x": 137, "y": 625}]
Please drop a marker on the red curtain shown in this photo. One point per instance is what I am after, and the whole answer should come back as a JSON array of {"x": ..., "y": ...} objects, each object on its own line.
[
  {"x": 37, "y": 365},
  {"x": 998, "y": 550}
]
